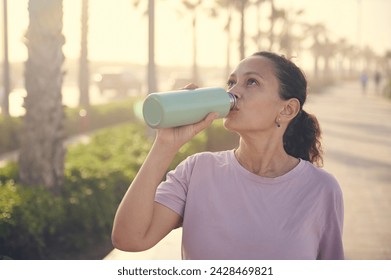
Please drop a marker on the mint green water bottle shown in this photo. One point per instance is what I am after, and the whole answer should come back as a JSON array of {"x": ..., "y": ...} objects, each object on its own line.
[{"x": 183, "y": 107}]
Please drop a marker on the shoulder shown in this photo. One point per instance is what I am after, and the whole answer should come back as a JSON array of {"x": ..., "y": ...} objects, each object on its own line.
[
  {"x": 204, "y": 161},
  {"x": 325, "y": 192},
  {"x": 322, "y": 179},
  {"x": 221, "y": 157}
]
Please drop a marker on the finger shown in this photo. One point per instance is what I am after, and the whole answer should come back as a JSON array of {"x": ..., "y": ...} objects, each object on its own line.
[
  {"x": 212, "y": 116},
  {"x": 205, "y": 122},
  {"x": 190, "y": 86}
]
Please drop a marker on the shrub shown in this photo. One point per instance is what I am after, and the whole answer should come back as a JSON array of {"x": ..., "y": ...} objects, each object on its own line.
[
  {"x": 79, "y": 120},
  {"x": 9, "y": 136},
  {"x": 98, "y": 116},
  {"x": 28, "y": 216},
  {"x": 35, "y": 224}
]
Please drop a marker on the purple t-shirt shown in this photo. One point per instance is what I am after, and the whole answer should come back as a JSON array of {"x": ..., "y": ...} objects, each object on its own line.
[{"x": 231, "y": 213}]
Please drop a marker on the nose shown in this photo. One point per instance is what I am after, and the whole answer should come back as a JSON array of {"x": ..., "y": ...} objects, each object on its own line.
[
  {"x": 235, "y": 93},
  {"x": 233, "y": 90}
]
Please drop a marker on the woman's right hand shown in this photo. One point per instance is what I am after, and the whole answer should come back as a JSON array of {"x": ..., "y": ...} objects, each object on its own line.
[{"x": 176, "y": 137}]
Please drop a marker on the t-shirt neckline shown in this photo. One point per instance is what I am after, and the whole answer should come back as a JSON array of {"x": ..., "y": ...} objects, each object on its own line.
[{"x": 267, "y": 180}]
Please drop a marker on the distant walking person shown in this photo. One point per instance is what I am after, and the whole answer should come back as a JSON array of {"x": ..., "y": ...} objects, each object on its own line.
[
  {"x": 377, "y": 78},
  {"x": 364, "y": 81}
]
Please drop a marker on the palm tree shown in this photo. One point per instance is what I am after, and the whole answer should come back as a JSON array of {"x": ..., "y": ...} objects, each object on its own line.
[
  {"x": 275, "y": 14},
  {"x": 152, "y": 85},
  {"x": 241, "y": 6},
  {"x": 342, "y": 52},
  {"x": 42, "y": 152},
  {"x": 194, "y": 7},
  {"x": 228, "y": 32},
  {"x": 368, "y": 56},
  {"x": 317, "y": 31},
  {"x": 84, "y": 75},
  {"x": 329, "y": 50},
  {"x": 258, "y": 36},
  {"x": 6, "y": 78},
  {"x": 227, "y": 5},
  {"x": 353, "y": 57},
  {"x": 288, "y": 40}
]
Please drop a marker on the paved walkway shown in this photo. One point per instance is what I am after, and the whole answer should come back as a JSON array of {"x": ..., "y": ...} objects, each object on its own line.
[
  {"x": 357, "y": 139},
  {"x": 357, "y": 143}
]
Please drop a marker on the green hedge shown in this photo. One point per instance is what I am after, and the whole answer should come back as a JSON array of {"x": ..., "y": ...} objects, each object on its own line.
[
  {"x": 76, "y": 122},
  {"x": 34, "y": 224},
  {"x": 9, "y": 133},
  {"x": 99, "y": 116}
]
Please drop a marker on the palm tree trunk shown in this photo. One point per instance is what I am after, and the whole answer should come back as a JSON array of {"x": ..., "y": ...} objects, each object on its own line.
[
  {"x": 259, "y": 35},
  {"x": 228, "y": 30},
  {"x": 151, "y": 47},
  {"x": 42, "y": 153},
  {"x": 271, "y": 30},
  {"x": 84, "y": 75},
  {"x": 6, "y": 70},
  {"x": 316, "y": 66},
  {"x": 195, "y": 67},
  {"x": 242, "y": 32}
]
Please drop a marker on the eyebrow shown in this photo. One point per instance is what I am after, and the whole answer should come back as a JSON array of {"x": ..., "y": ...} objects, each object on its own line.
[{"x": 248, "y": 74}]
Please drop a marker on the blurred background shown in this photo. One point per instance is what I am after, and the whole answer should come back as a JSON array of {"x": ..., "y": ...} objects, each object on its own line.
[
  {"x": 70, "y": 68},
  {"x": 198, "y": 40}
]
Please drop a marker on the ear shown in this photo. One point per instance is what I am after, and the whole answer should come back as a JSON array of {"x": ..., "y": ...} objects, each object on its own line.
[{"x": 291, "y": 109}]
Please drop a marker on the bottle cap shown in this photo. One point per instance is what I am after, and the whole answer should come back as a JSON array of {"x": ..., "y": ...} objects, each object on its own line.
[{"x": 233, "y": 100}]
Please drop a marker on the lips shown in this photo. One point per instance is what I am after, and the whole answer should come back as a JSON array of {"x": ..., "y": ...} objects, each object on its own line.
[{"x": 234, "y": 110}]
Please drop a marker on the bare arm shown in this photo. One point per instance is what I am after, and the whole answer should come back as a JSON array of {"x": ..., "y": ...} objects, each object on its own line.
[{"x": 140, "y": 222}]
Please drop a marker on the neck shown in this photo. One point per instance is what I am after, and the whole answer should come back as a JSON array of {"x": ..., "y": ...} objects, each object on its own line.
[{"x": 266, "y": 159}]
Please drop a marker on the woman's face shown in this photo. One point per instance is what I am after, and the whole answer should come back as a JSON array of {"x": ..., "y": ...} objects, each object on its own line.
[{"x": 256, "y": 85}]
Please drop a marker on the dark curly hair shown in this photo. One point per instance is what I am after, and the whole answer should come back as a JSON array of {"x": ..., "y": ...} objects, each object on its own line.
[{"x": 302, "y": 136}]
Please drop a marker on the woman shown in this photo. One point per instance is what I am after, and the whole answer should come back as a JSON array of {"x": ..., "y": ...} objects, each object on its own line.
[{"x": 263, "y": 200}]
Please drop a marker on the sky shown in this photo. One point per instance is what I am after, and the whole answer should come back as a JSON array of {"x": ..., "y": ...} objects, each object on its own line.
[{"x": 118, "y": 32}]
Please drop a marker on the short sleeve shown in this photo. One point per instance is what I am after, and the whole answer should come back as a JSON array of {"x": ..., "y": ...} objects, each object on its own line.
[
  {"x": 331, "y": 245},
  {"x": 172, "y": 192}
]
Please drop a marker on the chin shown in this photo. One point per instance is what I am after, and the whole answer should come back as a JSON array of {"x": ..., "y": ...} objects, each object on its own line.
[{"x": 229, "y": 124}]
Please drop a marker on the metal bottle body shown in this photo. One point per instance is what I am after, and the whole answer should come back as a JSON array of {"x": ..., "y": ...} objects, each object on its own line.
[{"x": 183, "y": 107}]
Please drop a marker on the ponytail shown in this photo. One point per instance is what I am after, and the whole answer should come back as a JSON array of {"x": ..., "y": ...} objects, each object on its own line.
[{"x": 302, "y": 138}]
